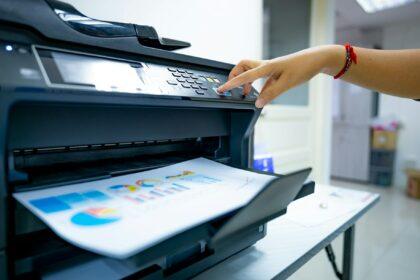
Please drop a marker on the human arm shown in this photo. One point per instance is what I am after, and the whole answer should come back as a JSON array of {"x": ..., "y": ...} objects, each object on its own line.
[{"x": 388, "y": 71}]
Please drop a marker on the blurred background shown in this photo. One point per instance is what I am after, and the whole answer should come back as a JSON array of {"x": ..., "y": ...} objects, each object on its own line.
[{"x": 352, "y": 137}]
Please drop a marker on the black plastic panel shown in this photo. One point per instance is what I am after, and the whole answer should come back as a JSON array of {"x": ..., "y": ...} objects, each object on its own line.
[
  {"x": 3, "y": 266},
  {"x": 39, "y": 125},
  {"x": 3, "y": 230},
  {"x": 78, "y": 70},
  {"x": 269, "y": 203}
]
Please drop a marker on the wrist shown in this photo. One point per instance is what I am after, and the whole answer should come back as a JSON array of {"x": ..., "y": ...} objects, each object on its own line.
[{"x": 333, "y": 58}]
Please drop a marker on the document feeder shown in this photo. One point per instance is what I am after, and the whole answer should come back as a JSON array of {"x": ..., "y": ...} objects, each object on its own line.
[{"x": 81, "y": 102}]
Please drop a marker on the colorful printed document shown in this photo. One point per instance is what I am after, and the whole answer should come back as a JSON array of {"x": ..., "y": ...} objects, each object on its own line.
[{"x": 121, "y": 216}]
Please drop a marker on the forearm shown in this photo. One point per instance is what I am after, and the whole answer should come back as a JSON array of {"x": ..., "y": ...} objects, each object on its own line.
[{"x": 391, "y": 72}]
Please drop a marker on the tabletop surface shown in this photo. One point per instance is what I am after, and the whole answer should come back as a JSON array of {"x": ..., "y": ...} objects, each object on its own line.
[{"x": 310, "y": 224}]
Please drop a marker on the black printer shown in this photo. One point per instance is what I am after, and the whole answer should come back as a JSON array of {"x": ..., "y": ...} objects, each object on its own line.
[{"x": 83, "y": 99}]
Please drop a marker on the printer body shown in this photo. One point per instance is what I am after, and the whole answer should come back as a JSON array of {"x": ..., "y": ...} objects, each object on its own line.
[{"x": 82, "y": 101}]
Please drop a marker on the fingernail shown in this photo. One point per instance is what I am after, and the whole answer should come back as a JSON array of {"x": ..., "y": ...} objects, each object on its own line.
[
  {"x": 219, "y": 89},
  {"x": 260, "y": 103}
]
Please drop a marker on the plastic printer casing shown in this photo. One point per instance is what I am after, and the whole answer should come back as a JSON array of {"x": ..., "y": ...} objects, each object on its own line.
[{"x": 53, "y": 132}]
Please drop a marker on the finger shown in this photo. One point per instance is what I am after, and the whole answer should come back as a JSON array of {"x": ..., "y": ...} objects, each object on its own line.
[
  {"x": 272, "y": 90},
  {"x": 268, "y": 83},
  {"x": 247, "y": 88},
  {"x": 246, "y": 77},
  {"x": 242, "y": 66},
  {"x": 237, "y": 70}
]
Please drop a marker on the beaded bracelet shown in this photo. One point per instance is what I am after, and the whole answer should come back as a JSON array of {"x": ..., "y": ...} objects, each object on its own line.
[{"x": 350, "y": 58}]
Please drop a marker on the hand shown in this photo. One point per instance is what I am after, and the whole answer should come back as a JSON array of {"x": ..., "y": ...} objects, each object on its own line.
[{"x": 282, "y": 73}]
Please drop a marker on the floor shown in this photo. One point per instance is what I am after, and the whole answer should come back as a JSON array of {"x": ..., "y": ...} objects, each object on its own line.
[{"x": 387, "y": 240}]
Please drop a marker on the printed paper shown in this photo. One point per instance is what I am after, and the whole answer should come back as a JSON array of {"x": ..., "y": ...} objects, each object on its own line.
[{"x": 121, "y": 216}]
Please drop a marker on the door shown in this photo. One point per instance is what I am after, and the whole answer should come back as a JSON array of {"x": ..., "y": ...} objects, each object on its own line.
[{"x": 295, "y": 128}]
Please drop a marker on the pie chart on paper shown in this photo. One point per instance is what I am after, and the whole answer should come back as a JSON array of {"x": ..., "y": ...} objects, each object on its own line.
[{"x": 96, "y": 217}]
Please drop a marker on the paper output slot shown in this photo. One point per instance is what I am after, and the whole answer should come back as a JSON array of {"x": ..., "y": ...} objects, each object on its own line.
[
  {"x": 165, "y": 201},
  {"x": 62, "y": 166},
  {"x": 240, "y": 224}
]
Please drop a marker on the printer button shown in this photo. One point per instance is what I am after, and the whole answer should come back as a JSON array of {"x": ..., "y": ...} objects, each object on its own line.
[
  {"x": 186, "y": 85},
  {"x": 172, "y": 82},
  {"x": 203, "y": 87},
  {"x": 190, "y": 81},
  {"x": 185, "y": 75},
  {"x": 198, "y": 82},
  {"x": 193, "y": 77},
  {"x": 176, "y": 74},
  {"x": 200, "y": 92},
  {"x": 181, "y": 80},
  {"x": 181, "y": 71},
  {"x": 189, "y": 72},
  {"x": 171, "y": 69},
  {"x": 195, "y": 87},
  {"x": 223, "y": 94}
]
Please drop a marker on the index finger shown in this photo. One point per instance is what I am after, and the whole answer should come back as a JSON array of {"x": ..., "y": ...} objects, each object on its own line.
[{"x": 246, "y": 77}]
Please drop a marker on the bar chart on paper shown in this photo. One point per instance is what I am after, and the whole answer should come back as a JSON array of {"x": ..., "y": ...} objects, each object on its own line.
[{"x": 149, "y": 189}]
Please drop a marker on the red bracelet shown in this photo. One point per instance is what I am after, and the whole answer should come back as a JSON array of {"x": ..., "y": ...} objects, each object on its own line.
[{"x": 350, "y": 58}]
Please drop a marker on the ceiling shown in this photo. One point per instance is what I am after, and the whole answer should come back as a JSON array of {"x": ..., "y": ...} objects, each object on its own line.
[{"x": 350, "y": 14}]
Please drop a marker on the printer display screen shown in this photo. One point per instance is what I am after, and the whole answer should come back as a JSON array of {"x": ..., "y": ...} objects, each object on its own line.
[{"x": 97, "y": 72}]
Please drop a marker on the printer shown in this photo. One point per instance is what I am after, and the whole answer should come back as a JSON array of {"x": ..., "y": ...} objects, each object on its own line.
[{"x": 83, "y": 99}]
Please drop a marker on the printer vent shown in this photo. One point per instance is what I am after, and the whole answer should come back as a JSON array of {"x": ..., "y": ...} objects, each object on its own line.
[{"x": 46, "y": 150}]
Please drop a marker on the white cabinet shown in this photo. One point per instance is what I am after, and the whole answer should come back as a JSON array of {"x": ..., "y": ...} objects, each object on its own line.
[
  {"x": 351, "y": 134},
  {"x": 350, "y": 152}
]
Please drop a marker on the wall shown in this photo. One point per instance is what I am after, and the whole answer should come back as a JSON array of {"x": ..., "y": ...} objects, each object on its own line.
[
  {"x": 361, "y": 37},
  {"x": 403, "y": 36},
  {"x": 221, "y": 30}
]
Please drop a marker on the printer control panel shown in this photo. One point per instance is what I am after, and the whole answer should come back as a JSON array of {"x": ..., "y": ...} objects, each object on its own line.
[
  {"x": 203, "y": 84},
  {"x": 188, "y": 79},
  {"x": 71, "y": 70}
]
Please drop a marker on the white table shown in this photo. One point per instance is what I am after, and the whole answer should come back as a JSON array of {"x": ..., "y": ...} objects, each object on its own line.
[{"x": 289, "y": 245}]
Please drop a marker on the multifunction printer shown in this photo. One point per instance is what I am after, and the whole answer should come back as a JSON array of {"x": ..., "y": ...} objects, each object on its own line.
[{"x": 83, "y": 99}]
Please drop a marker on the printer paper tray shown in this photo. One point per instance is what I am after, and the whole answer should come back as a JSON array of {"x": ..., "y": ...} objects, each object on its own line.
[{"x": 262, "y": 204}]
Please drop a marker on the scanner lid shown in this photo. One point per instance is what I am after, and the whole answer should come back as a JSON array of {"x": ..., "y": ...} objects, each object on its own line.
[
  {"x": 146, "y": 35},
  {"x": 60, "y": 21}
]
